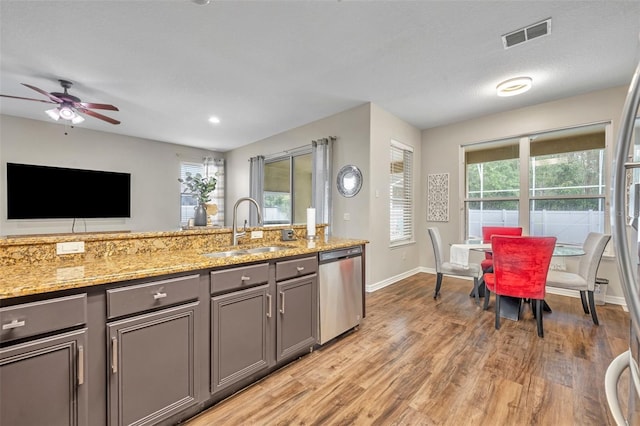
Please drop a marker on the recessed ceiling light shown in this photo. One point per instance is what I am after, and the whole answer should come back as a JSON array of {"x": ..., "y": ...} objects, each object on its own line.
[
  {"x": 514, "y": 86},
  {"x": 214, "y": 120},
  {"x": 201, "y": 2}
]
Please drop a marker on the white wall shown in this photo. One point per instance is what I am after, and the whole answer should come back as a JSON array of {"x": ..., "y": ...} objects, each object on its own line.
[
  {"x": 154, "y": 168},
  {"x": 441, "y": 145},
  {"x": 363, "y": 137},
  {"x": 387, "y": 262},
  {"x": 351, "y": 128}
]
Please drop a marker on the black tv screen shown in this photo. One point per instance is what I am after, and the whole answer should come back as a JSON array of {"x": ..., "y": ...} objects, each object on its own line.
[{"x": 43, "y": 192}]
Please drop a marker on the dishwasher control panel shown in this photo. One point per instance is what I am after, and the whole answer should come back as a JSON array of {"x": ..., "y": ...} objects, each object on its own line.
[{"x": 340, "y": 253}]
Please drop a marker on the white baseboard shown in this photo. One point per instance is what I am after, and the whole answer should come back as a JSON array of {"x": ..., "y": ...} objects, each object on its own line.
[
  {"x": 391, "y": 280},
  {"x": 614, "y": 300}
]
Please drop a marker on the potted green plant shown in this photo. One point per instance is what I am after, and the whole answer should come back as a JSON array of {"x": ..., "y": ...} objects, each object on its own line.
[{"x": 200, "y": 187}]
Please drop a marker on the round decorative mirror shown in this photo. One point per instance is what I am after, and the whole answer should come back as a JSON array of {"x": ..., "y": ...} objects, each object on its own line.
[{"x": 349, "y": 181}]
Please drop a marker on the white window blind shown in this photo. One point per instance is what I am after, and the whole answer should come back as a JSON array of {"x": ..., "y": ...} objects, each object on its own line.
[{"x": 401, "y": 193}]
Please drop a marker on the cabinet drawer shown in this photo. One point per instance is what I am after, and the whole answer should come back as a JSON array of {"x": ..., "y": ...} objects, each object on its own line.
[
  {"x": 237, "y": 278},
  {"x": 142, "y": 297},
  {"x": 30, "y": 319},
  {"x": 296, "y": 268}
]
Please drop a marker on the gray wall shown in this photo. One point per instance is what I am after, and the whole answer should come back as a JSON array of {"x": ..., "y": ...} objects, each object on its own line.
[
  {"x": 363, "y": 137},
  {"x": 154, "y": 168},
  {"x": 441, "y": 154}
]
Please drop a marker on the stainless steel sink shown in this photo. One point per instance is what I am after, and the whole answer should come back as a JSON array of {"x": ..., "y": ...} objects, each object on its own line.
[
  {"x": 242, "y": 252},
  {"x": 267, "y": 249},
  {"x": 228, "y": 253}
]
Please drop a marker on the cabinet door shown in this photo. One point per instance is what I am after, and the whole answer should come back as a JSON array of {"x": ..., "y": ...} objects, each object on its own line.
[
  {"x": 42, "y": 382},
  {"x": 153, "y": 365},
  {"x": 297, "y": 315},
  {"x": 239, "y": 323}
]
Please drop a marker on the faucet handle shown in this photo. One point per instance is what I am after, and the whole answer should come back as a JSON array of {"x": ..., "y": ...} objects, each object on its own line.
[{"x": 244, "y": 229}]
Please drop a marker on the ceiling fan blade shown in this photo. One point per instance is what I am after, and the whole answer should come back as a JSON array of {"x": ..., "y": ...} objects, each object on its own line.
[
  {"x": 47, "y": 94},
  {"x": 97, "y": 106},
  {"x": 28, "y": 99},
  {"x": 97, "y": 115}
]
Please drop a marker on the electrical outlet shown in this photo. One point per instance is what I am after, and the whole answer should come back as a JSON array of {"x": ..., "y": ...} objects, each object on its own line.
[
  {"x": 70, "y": 247},
  {"x": 256, "y": 234},
  {"x": 347, "y": 216}
]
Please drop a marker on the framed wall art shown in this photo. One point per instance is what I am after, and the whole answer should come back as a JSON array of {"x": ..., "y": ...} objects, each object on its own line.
[{"x": 438, "y": 197}]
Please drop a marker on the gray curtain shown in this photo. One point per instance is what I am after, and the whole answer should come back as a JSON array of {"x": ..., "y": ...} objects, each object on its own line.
[
  {"x": 321, "y": 180},
  {"x": 256, "y": 189}
]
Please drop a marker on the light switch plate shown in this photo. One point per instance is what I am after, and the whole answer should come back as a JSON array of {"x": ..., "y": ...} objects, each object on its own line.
[{"x": 256, "y": 234}]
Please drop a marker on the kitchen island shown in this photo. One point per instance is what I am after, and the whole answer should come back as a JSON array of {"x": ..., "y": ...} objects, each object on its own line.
[{"x": 146, "y": 329}]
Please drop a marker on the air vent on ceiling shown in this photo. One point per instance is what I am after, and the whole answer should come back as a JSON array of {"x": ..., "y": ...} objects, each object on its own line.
[{"x": 536, "y": 30}]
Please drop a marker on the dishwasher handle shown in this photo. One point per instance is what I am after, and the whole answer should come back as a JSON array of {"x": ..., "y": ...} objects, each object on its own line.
[{"x": 334, "y": 255}]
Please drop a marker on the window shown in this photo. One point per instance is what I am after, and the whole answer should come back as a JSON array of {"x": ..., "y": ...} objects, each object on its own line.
[
  {"x": 566, "y": 185},
  {"x": 188, "y": 202},
  {"x": 401, "y": 194},
  {"x": 287, "y": 189},
  {"x": 493, "y": 186},
  {"x": 550, "y": 184}
]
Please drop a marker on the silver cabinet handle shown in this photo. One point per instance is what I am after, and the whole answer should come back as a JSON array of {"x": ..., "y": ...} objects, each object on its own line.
[
  {"x": 159, "y": 295},
  {"x": 80, "y": 365},
  {"x": 300, "y": 268},
  {"x": 13, "y": 324},
  {"x": 282, "y": 300},
  {"x": 245, "y": 278},
  {"x": 269, "y": 313},
  {"x": 114, "y": 355}
]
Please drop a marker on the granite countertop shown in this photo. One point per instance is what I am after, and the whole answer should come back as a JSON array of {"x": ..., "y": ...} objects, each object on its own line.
[{"x": 28, "y": 279}]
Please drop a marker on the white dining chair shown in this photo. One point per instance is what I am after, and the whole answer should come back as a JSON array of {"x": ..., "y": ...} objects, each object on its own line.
[
  {"x": 584, "y": 280},
  {"x": 473, "y": 270}
]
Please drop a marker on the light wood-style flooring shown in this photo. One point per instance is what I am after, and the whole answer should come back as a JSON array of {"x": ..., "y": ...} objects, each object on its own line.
[{"x": 420, "y": 361}]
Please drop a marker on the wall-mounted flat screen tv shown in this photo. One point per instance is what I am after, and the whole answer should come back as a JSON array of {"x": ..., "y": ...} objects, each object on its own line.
[{"x": 43, "y": 192}]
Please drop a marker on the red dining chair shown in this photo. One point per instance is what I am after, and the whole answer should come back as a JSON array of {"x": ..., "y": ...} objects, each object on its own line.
[
  {"x": 520, "y": 267},
  {"x": 490, "y": 231}
]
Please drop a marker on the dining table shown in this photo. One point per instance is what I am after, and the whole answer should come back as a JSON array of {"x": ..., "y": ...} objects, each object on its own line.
[{"x": 509, "y": 306}]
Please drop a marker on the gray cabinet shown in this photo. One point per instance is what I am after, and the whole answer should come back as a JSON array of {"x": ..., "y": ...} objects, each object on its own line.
[
  {"x": 239, "y": 335},
  {"x": 153, "y": 360},
  {"x": 297, "y": 306},
  {"x": 239, "y": 324},
  {"x": 297, "y": 322},
  {"x": 42, "y": 379}
]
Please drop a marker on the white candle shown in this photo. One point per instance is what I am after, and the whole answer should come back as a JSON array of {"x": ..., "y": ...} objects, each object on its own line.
[{"x": 311, "y": 222}]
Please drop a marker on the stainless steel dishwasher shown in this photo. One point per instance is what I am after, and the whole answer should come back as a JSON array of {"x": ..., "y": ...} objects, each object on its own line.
[{"x": 340, "y": 298}]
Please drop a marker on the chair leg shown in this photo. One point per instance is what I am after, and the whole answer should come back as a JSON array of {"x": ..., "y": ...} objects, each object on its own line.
[
  {"x": 583, "y": 298},
  {"x": 476, "y": 290},
  {"x": 497, "y": 311},
  {"x": 438, "y": 284},
  {"x": 487, "y": 296},
  {"x": 592, "y": 305},
  {"x": 538, "y": 304}
]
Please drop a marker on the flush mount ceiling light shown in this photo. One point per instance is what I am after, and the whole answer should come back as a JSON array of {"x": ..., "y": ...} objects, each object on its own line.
[
  {"x": 214, "y": 120},
  {"x": 514, "y": 86}
]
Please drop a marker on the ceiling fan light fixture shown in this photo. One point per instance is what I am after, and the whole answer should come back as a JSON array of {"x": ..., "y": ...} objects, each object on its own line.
[
  {"x": 514, "y": 86},
  {"x": 53, "y": 114},
  {"x": 67, "y": 112},
  {"x": 77, "y": 119}
]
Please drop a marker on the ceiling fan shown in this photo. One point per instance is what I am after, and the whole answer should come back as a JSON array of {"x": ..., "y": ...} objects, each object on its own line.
[{"x": 69, "y": 105}]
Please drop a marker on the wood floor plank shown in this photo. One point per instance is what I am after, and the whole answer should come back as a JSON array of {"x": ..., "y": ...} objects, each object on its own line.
[{"x": 419, "y": 361}]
